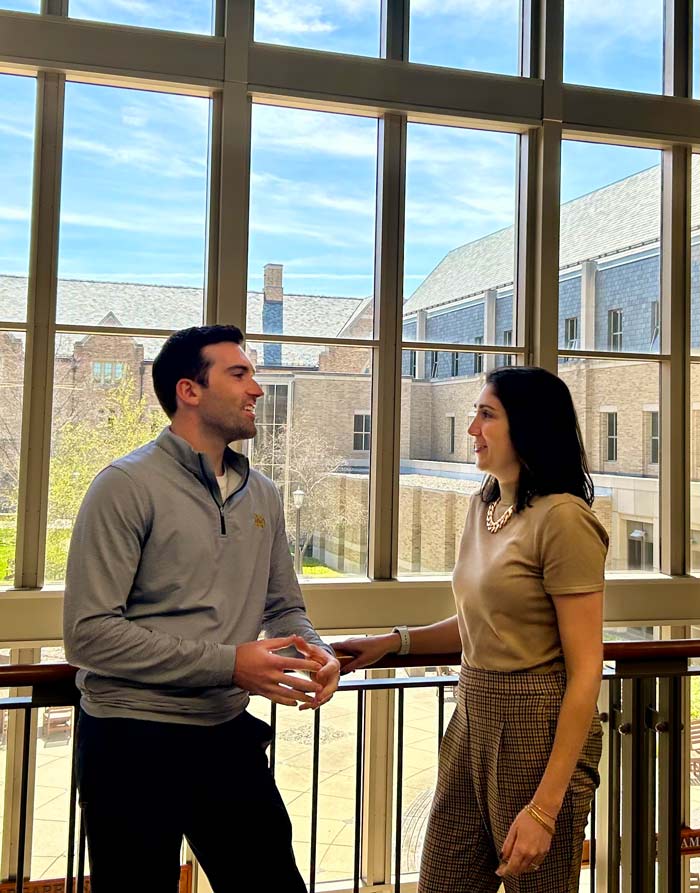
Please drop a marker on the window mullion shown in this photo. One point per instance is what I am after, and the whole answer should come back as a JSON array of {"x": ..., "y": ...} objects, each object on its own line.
[
  {"x": 674, "y": 418},
  {"x": 675, "y": 334},
  {"x": 386, "y": 379},
  {"x": 538, "y": 243},
  {"x": 227, "y": 286},
  {"x": 32, "y": 507},
  {"x": 678, "y": 28}
]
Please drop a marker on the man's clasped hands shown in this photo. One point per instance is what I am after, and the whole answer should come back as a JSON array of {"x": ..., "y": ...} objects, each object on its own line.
[{"x": 260, "y": 670}]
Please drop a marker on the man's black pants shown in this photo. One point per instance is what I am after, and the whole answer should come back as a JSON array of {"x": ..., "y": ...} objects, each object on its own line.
[{"x": 143, "y": 785}]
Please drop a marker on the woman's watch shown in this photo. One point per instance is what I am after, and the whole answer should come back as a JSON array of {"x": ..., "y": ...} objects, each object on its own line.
[{"x": 405, "y": 637}]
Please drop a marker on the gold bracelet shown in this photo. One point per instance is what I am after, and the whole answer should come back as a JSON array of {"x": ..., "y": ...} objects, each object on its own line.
[
  {"x": 547, "y": 819},
  {"x": 540, "y": 821},
  {"x": 552, "y": 818}
]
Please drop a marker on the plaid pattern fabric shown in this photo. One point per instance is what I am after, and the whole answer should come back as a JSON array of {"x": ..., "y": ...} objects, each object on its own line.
[{"x": 492, "y": 759}]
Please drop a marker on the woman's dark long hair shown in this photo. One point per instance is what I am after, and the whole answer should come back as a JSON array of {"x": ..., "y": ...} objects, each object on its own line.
[{"x": 545, "y": 434}]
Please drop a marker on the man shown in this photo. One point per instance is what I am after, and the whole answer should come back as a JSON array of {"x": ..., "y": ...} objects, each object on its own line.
[{"x": 178, "y": 560}]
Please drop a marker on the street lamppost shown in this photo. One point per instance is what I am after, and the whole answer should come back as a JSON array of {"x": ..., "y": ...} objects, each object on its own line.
[{"x": 298, "y": 497}]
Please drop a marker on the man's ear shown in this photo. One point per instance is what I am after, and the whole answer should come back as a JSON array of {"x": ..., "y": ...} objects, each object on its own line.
[{"x": 188, "y": 392}]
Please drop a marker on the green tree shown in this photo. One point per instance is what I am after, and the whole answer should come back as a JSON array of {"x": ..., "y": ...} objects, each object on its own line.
[
  {"x": 299, "y": 458},
  {"x": 84, "y": 444}
]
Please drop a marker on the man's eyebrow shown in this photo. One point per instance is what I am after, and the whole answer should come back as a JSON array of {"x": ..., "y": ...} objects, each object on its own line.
[{"x": 239, "y": 367}]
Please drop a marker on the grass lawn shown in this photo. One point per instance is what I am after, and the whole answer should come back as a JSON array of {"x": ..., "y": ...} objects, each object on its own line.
[{"x": 313, "y": 568}]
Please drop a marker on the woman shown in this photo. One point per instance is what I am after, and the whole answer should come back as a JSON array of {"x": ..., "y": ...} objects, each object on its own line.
[{"x": 518, "y": 763}]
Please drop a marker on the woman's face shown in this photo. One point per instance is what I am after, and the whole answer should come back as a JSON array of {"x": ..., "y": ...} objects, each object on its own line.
[{"x": 492, "y": 444}]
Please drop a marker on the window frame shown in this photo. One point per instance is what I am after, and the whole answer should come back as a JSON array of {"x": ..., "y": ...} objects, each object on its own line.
[
  {"x": 615, "y": 330},
  {"x": 611, "y": 436},
  {"x": 478, "y": 366},
  {"x": 363, "y": 431},
  {"x": 537, "y": 105},
  {"x": 294, "y": 75},
  {"x": 571, "y": 342},
  {"x": 654, "y": 440}
]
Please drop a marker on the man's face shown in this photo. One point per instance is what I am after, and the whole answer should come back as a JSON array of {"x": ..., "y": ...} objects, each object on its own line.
[{"x": 227, "y": 403}]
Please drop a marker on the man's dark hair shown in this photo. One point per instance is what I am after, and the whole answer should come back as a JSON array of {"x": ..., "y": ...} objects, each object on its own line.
[
  {"x": 545, "y": 434},
  {"x": 181, "y": 357}
]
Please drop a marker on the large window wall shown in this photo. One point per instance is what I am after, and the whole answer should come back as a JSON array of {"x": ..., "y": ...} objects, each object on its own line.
[
  {"x": 389, "y": 212},
  {"x": 384, "y": 241}
]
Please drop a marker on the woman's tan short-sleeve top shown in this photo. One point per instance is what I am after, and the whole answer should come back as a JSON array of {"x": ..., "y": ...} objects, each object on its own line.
[{"x": 504, "y": 582}]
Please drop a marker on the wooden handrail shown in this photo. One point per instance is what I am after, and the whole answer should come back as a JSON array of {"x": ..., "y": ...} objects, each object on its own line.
[{"x": 24, "y": 675}]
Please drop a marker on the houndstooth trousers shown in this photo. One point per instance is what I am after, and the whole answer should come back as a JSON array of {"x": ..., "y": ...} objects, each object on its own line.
[{"x": 492, "y": 759}]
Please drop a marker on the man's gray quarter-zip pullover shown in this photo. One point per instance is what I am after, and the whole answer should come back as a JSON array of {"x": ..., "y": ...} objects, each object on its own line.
[{"x": 164, "y": 581}]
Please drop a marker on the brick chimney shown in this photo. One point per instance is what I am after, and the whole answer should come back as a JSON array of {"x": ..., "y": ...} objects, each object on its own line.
[
  {"x": 273, "y": 312},
  {"x": 273, "y": 283}
]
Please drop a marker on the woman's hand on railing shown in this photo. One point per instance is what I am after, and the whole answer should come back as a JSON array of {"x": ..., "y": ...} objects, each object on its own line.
[{"x": 365, "y": 650}]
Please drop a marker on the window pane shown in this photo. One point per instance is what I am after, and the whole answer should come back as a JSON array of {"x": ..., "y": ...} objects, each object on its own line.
[
  {"x": 94, "y": 422},
  {"x": 695, "y": 467},
  {"x": 313, "y": 440},
  {"x": 194, "y": 16},
  {"x": 21, "y": 5},
  {"x": 438, "y": 474},
  {"x": 617, "y": 44},
  {"x": 5, "y": 658},
  {"x": 615, "y": 402},
  {"x": 332, "y": 25},
  {"x": 696, "y": 38},
  {"x": 420, "y": 763},
  {"x": 133, "y": 208},
  {"x": 695, "y": 258},
  {"x": 54, "y": 746},
  {"x": 11, "y": 393},
  {"x": 17, "y": 101},
  {"x": 479, "y": 37},
  {"x": 312, "y": 210},
  {"x": 610, "y": 271},
  {"x": 459, "y": 256},
  {"x": 334, "y": 859}
]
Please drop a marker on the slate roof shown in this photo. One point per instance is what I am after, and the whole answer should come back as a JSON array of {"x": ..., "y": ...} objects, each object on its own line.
[
  {"x": 135, "y": 305},
  {"x": 620, "y": 216}
]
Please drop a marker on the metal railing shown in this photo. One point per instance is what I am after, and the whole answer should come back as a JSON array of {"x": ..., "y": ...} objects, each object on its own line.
[{"x": 637, "y": 835}]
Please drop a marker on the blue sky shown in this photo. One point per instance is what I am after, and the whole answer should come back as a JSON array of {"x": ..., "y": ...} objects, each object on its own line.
[{"x": 135, "y": 169}]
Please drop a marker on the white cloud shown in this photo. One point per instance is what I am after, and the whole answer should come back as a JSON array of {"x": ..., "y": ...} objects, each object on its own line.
[
  {"x": 283, "y": 227},
  {"x": 136, "y": 220},
  {"x": 276, "y": 17},
  {"x": 150, "y": 133},
  {"x": 616, "y": 18},
  {"x": 299, "y": 194},
  {"x": 25, "y": 133},
  {"x": 472, "y": 8},
  {"x": 299, "y": 130},
  {"x": 175, "y": 16},
  {"x": 10, "y": 213}
]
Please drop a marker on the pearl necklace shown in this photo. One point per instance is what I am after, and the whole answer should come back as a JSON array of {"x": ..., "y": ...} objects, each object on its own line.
[{"x": 494, "y": 526}]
